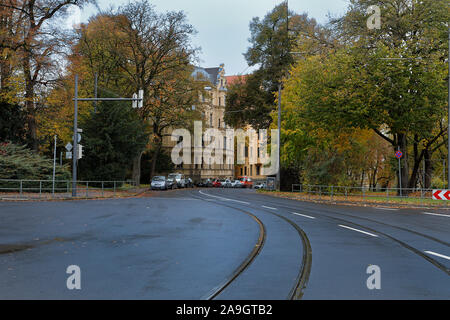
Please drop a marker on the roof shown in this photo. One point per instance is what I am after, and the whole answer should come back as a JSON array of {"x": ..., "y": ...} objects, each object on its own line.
[
  {"x": 211, "y": 74},
  {"x": 234, "y": 79}
]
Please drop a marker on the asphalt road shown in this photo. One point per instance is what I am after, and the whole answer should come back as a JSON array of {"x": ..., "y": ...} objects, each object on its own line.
[{"x": 221, "y": 244}]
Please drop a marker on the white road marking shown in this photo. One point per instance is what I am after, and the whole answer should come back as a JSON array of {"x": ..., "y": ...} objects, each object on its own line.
[
  {"x": 302, "y": 215},
  {"x": 438, "y": 255},
  {"x": 390, "y": 209},
  {"x": 269, "y": 208},
  {"x": 357, "y": 230},
  {"x": 436, "y": 214},
  {"x": 226, "y": 199}
]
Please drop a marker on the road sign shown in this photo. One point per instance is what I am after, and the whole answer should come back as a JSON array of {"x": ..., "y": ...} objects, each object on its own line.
[
  {"x": 441, "y": 194},
  {"x": 69, "y": 147},
  {"x": 78, "y": 138},
  {"x": 399, "y": 154},
  {"x": 69, "y": 155}
]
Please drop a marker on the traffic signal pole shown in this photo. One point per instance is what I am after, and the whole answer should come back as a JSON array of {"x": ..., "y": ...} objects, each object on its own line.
[{"x": 138, "y": 102}]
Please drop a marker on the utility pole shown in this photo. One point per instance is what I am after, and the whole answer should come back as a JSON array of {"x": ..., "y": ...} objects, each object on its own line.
[
  {"x": 54, "y": 167},
  {"x": 75, "y": 141},
  {"x": 279, "y": 139},
  {"x": 448, "y": 137},
  {"x": 95, "y": 90},
  {"x": 400, "y": 173}
]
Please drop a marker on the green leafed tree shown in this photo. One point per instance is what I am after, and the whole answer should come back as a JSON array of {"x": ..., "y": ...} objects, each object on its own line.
[{"x": 110, "y": 135}]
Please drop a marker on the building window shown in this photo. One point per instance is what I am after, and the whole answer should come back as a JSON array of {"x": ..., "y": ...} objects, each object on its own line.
[
  {"x": 245, "y": 170},
  {"x": 210, "y": 119},
  {"x": 242, "y": 171},
  {"x": 219, "y": 122},
  {"x": 258, "y": 170},
  {"x": 220, "y": 102},
  {"x": 225, "y": 143},
  {"x": 251, "y": 170}
]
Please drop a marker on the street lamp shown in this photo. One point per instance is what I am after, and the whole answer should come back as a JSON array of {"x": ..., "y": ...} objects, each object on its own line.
[{"x": 138, "y": 102}]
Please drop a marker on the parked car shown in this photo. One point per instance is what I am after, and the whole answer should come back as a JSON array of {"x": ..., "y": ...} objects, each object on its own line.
[
  {"x": 189, "y": 183},
  {"x": 236, "y": 184},
  {"x": 261, "y": 185},
  {"x": 206, "y": 183},
  {"x": 159, "y": 183},
  {"x": 179, "y": 178},
  {"x": 216, "y": 183},
  {"x": 171, "y": 183},
  {"x": 246, "y": 182},
  {"x": 226, "y": 183}
]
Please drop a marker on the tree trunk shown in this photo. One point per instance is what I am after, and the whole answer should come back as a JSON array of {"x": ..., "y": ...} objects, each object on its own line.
[
  {"x": 137, "y": 169},
  {"x": 155, "y": 158},
  {"x": 428, "y": 169},
  {"x": 29, "y": 103},
  {"x": 402, "y": 143}
]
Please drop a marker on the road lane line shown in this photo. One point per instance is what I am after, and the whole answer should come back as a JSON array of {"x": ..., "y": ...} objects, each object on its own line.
[
  {"x": 390, "y": 209},
  {"x": 357, "y": 230},
  {"x": 302, "y": 215},
  {"x": 436, "y": 214},
  {"x": 269, "y": 208},
  {"x": 438, "y": 255},
  {"x": 226, "y": 199}
]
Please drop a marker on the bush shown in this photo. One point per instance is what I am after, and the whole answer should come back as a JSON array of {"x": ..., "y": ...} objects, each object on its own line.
[{"x": 20, "y": 163}]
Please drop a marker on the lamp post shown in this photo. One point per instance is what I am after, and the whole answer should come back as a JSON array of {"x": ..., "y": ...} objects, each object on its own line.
[{"x": 138, "y": 102}]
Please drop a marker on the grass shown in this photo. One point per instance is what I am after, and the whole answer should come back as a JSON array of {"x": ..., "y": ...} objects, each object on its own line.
[{"x": 369, "y": 198}]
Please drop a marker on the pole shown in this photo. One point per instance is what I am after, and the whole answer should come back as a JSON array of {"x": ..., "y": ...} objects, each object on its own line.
[
  {"x": 95, "y": 91},
  {"x": 279, "y": 138},
  {"x": 400, "y": 173},
  {"x": 75, "y": 140},
  {"x": 54, "y": 168},
  {"x": 448, "y": 137}
]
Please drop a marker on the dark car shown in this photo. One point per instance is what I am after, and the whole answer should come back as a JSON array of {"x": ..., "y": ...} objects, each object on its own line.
[
  {"x": 179, "y": 178},
  {"x": 206, "y": 183},
  {"x": 189, "y": 183},
  {"x": 171, "y": 183}
]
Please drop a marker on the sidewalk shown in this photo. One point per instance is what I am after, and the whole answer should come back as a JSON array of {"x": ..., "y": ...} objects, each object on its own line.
[{"x": 82, "y": 194}]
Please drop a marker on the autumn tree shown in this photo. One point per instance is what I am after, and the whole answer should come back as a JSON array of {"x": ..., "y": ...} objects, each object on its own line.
[
  {"x": 136, "y": 48},
  {"x": 29, "y": 34}
]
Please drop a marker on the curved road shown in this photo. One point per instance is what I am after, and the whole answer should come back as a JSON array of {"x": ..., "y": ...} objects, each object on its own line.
[{"x": 221, "y": 244}]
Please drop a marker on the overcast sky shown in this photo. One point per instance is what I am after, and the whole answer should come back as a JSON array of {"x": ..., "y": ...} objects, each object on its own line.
[{"x": 222, "y": 25}]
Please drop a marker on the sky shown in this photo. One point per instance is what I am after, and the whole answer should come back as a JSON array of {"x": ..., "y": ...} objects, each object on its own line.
[{"x": 223, "y": 25}]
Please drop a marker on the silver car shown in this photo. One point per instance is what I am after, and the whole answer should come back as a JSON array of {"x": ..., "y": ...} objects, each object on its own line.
[
  {"x": 158, "y": 183},
  {"x": 236, "y": 184}
]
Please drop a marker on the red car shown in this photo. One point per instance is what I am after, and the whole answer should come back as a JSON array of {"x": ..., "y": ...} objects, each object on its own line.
[
  {"x": 246, "y": 182},
  {"x": 216, "y": 183}
]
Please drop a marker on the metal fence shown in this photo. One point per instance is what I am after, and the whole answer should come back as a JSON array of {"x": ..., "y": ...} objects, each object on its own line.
[
  {"x": 414, "y": 196},
  {"x": 62, "y": 189}
]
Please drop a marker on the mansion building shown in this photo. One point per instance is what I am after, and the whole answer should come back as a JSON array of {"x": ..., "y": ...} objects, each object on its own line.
[{"x": 213, "y": 106}]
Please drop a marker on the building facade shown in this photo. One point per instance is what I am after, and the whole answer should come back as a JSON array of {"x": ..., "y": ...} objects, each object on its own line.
[
  {"x": 254, "y": 148},
  {"x": 213, "y": 106}
]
